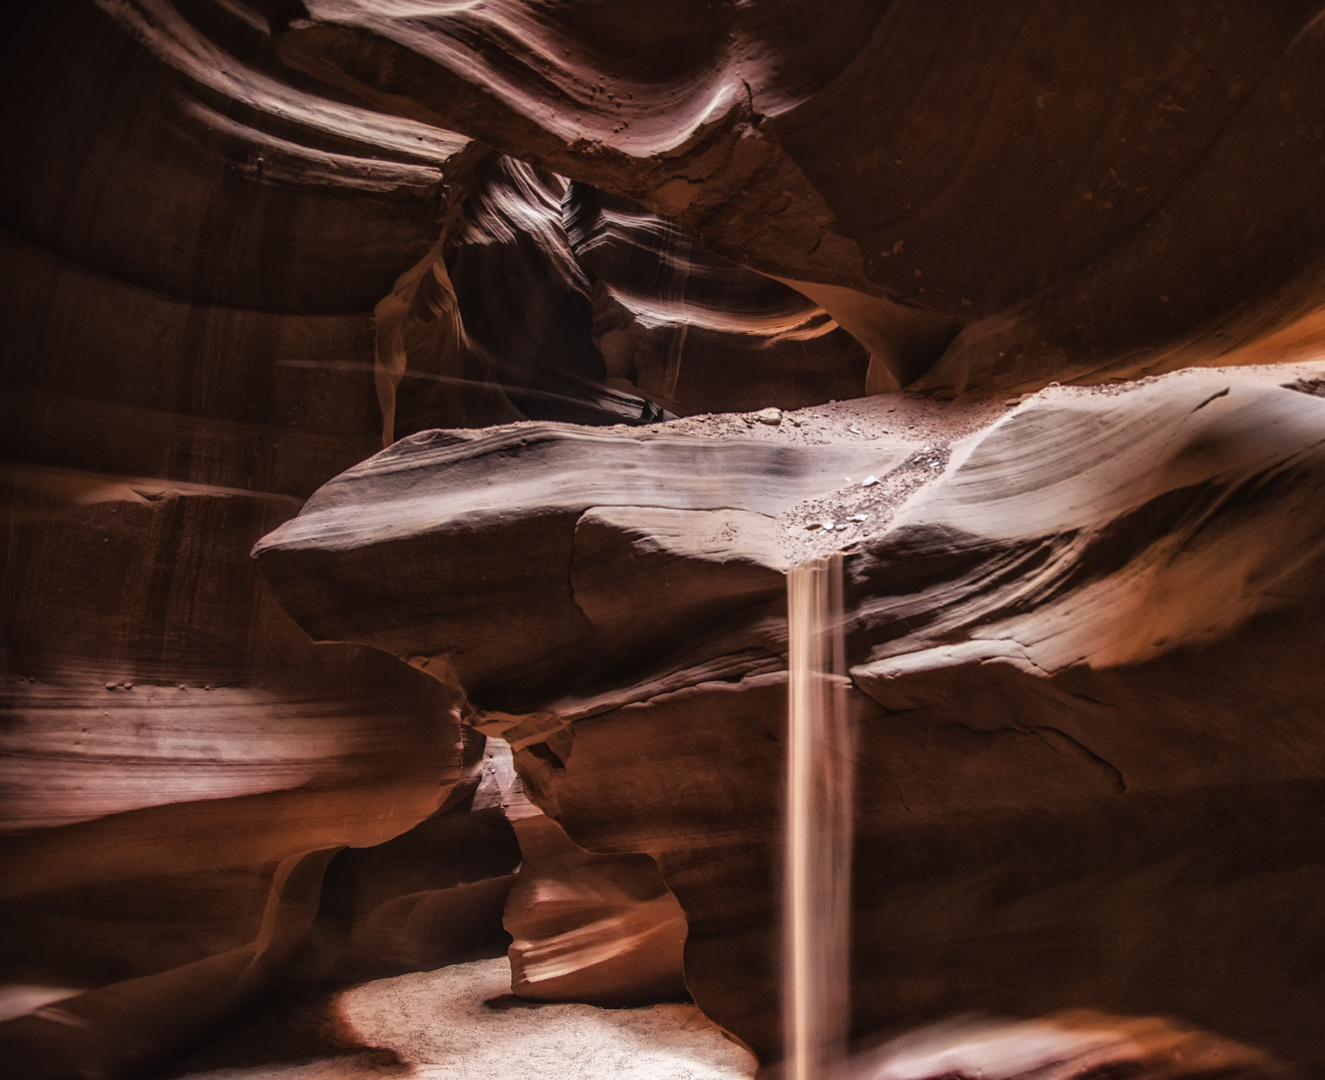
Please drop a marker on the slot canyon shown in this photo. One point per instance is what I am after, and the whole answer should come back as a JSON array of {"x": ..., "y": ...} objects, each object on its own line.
[{"x": 414, "y": 412}]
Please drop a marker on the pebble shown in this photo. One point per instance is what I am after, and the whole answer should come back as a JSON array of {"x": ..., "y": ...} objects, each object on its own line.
[
  {"x": 869, "y": 481},
  {"x": 768, "y": 416}
]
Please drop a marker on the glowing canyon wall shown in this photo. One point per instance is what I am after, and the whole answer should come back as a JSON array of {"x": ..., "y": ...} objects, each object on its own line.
[{"x": 530, "y": 344}]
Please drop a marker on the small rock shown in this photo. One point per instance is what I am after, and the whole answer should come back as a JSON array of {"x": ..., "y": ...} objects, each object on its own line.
[
  {"x": 839, "y": 526},
  {"x": 869, "y": 481},
  {"x": 768, "y": 416},
  {"x": 827, "y": 526},
  {"x": 858, "y": 517},
  {"x": 855, "y": 431},
  {"x": 810, "y": 528}
]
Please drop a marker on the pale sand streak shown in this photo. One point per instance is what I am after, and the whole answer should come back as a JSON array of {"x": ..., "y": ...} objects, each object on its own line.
[{"x": 820, "y": 792}]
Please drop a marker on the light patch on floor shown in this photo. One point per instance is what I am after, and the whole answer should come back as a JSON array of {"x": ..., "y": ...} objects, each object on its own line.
[{"x": 434, "y": 1025}]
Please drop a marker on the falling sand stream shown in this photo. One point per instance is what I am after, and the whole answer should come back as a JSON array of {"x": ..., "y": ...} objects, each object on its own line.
[
  {"x": 820, "y": 795},
  {"x": 816, "y": 928}
]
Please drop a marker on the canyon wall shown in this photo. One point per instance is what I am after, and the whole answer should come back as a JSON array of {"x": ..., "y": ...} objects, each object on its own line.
[
  {"x": 246, "y": 248},
  {"x": 1080, "y": 630},
  {"x": 193, "y": 249}
]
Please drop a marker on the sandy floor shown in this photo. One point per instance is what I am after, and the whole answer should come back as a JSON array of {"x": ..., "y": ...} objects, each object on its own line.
[{"x": 435, "y": 1025}]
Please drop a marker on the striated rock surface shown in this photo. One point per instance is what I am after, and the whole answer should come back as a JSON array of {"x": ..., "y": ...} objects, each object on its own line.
[
  {"x": 694, "y": 331},
  {"x": 429, "y": 897},
  {"x": 549, "y": 300},
  {"x": 523, "y": 299},
  {"x": 245, "y": 248},
  {"x": 1081, "y": 631},
  {"x": 602, "y": 929},
  {"x": 986, "y": 197},
  {"x": 225, "y": 282},
  {"x": 178, "y": 761},
  {"x": 192, "y": 251}
]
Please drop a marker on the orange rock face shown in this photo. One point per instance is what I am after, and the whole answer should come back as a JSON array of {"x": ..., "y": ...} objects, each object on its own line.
[
  {"x": 611, "y": 285},
  {"x": 985, "y": 199},
  {"x": 1071, "y": 789}
]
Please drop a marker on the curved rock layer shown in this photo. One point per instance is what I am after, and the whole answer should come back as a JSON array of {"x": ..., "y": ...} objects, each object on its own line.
[
  {"x": 554, "y": 301},
  {"x": 601, "y": 929},
  {"x": 185, "y": 164},
  {"x": 1070, "y": 193},
  {"x": 179, "y": 168},
  {"x": 523, "y": 300},
  {"x": 1084, "y": 632},
  {"x": 1081, "y": 632},
  {"x": 172, "y": 742},
  {"x": 220, "y": 276},
  {"x": 192, "y": 251},
  {"x": 694, "y": 331}
]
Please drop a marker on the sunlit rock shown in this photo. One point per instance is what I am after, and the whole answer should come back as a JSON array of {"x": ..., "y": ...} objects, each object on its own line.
[
  {"x": 1079, "y": 631},
  {"x": 246, "y": 247},
  {"x": 1036, "y": 193}
]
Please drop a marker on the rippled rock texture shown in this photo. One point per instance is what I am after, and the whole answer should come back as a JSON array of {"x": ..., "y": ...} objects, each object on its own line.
[
  {"x": 244, "y": 249},
  {"x": 218, "y": 274},
  {"x": 1081, "y": 635},
  {"x": 192, "y": 244},
  {"x": 1004, "y": 195}
]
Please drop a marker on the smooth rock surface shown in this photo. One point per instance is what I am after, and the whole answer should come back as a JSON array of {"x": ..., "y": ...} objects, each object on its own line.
[
  {"x": 245, "y": 248},
  {"x": 1080, "y": 630},
  {"x": 985, "y": 198},
  {"x": 192, "y": 250}
]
